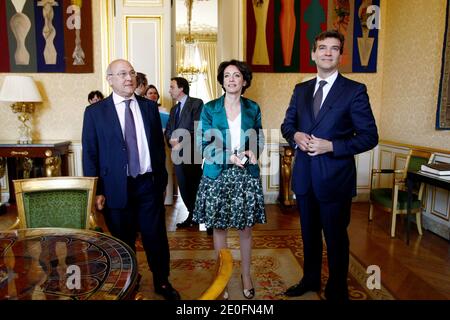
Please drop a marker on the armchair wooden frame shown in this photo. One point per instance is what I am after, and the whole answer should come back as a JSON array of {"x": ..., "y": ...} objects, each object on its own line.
[
  {"x": 398, "y": 185},
  {"x": 223, "y": 275},
  {"x": 220, "y": 280},
  {"x": 24, "y": 186}
]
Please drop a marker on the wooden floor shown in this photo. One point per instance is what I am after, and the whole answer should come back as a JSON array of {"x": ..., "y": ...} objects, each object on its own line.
[{"x": 418, "y": 271}]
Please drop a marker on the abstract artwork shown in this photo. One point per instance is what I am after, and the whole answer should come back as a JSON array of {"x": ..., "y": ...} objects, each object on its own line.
[
  {"x": 443, "y": 107},
  {"x": 280, "y": 33},
  {"x": 46, "y": 36}
]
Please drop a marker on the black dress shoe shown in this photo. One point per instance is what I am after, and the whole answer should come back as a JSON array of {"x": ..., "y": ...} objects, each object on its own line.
[
  {"x": 300, "y": 289},
  {"x": 168, "y": 292},
  {"x": 187, "y": 224},
  {"x": 336, "y": 294},
  {"x": 247, "y": 293}
]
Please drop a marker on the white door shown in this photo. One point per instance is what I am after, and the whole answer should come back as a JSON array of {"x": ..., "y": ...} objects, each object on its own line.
[{"x": 141, "y": 32}]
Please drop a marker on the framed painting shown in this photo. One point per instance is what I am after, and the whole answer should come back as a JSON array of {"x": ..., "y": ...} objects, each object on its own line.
[
  {"x": 280, "y": 33},
  {"x": 46, "y": 36},
  {"x": 443, "y": 107}
]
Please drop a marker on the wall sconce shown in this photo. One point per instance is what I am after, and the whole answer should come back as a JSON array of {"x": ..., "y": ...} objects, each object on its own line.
[{"x": 23, "y": 92}]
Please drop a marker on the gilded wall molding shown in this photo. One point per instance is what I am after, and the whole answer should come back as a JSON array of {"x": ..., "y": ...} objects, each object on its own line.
[{"x": 143, "y": 3}]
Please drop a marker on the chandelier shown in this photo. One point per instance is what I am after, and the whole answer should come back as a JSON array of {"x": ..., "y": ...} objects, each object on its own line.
[{"x": 190, "y": 66}]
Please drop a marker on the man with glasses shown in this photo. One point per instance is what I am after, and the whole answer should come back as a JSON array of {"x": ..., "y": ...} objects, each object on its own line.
[{"x": 123, "y": 146}]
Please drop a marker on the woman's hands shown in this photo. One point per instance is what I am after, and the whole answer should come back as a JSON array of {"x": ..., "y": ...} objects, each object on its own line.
[{"x": 236, "y": 158}]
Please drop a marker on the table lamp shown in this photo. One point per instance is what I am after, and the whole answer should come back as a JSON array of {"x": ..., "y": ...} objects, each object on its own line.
[{"x": 23, "y": 92}]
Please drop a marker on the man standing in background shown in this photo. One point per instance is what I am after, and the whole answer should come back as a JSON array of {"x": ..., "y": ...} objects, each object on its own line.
[
  {"x": 183, "y": 116},
  {"x": 141, "y": 84}
]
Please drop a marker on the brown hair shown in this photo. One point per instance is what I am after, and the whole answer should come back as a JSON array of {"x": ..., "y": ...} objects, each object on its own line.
[
  {"x": 243, "y": 68},
  {"x": 329, "y": 34}
]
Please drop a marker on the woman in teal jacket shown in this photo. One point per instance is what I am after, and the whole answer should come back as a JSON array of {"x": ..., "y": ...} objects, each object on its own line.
[{"x": 230, "y": 193}]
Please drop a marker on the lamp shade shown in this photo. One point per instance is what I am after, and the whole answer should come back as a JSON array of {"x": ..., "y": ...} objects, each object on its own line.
[{"x": 19, "y": 89}]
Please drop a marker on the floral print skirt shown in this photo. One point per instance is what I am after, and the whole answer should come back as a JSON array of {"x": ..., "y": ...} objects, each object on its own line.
[{"x": 234, "y": 200}]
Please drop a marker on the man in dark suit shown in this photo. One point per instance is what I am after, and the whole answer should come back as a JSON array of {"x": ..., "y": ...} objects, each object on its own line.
[
  {"x": 123, "y": 145},
  {"x": 329, "y": 120},
  {"x": 180, "y": 138}
]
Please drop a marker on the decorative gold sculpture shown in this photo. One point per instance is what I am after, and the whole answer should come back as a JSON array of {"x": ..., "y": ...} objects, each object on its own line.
[
  {"x": 24, "y": 110},
  {"x": 27, "y": 164},
  {"x": 286, "y": 175},
  {"x": 53, "y": 166}
]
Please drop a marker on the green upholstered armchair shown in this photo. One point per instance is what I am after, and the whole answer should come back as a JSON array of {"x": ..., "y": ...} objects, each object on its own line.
[
  {"x": 394, "y": 198},
  {"x": 65, "y": 202}
]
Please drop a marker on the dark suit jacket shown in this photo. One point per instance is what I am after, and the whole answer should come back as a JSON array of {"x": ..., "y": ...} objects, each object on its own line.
[
  {"x": 105, "y": 154},
  {"x": 189, "y": 115},
  {"x": 346, "y": 119}
]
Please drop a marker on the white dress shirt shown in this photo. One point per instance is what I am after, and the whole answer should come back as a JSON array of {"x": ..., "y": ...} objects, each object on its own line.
[
  {"x": 326, "y": 88},
  {"x": 235, "y": 132},
  {"x": 182, "y": 102},
  {"x": 144, "y": 151}
]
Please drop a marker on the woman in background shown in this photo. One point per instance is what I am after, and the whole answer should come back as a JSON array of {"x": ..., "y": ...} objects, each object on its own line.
[
  {"x": 152, "y": 93},
  {"x": 230, "y": 194}
]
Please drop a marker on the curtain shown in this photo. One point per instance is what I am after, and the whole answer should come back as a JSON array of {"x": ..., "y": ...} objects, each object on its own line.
[
  {"x": 207, "y": 51},
  {"x": 179, "y": 51}
]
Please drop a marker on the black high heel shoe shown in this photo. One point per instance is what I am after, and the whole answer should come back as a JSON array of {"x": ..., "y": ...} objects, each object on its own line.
[{"x": 247, "y": 293}]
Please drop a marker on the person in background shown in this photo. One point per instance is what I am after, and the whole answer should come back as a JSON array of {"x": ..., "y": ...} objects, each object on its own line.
[
  {"x": 230, "y": 193},
  {"x": 123, "y": 145},
  {"x": 95, "y": 96},
  {"x": 141, "y": 83},
  {"x": 328, "y": 122},
  {"x": 182, "y": 121},
  {"x": 152, "y": 93}
]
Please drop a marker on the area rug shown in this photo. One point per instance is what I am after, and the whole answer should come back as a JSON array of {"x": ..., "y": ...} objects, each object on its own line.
[{"x": 277, "y": 258}]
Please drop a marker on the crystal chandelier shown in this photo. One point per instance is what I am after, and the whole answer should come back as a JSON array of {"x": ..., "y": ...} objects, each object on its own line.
[{"x": 190, "y": 66}]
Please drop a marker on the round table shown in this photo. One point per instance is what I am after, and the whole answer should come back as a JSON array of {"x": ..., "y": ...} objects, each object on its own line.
[{"x": 65, "y": 264}]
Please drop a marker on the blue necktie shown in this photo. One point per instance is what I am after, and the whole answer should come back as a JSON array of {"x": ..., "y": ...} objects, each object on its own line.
[
  {"x": 131, "y": 141},
  {"x": 177, "y": 114},
  {"x": 317, "y": 100}
]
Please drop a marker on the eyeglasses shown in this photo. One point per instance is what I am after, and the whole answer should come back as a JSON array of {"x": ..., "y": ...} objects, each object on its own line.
[{"x": 123, "y": 74}]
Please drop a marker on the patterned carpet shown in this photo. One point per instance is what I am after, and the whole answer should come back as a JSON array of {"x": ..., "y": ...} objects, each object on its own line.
[{"x": 276, "y": 264}]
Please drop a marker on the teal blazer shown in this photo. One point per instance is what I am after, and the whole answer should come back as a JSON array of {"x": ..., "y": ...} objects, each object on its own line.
[{"x": 213, "y": 136}]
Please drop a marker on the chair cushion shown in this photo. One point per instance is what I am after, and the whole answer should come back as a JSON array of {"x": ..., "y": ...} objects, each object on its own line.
[
  {"x": 61, "y": 208},
  {"x": 383, "y": 197}
]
